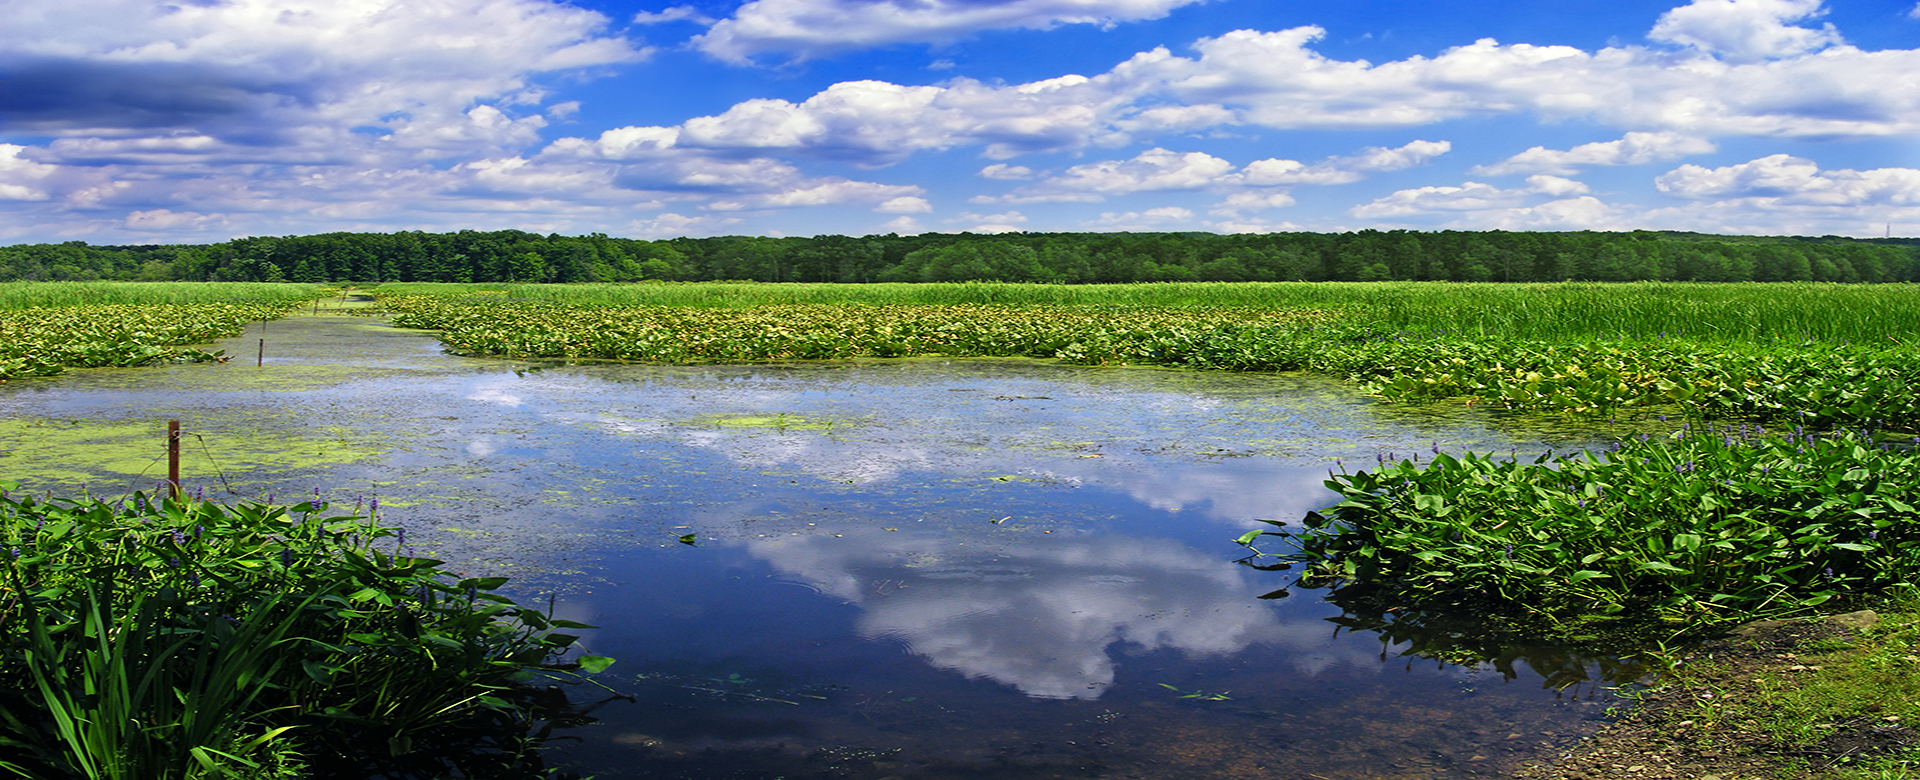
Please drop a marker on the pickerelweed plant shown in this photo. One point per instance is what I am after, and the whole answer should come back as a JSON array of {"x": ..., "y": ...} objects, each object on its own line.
[
  {"x": 1689, "y": 531},
  {"x": 180, "y": 638}
]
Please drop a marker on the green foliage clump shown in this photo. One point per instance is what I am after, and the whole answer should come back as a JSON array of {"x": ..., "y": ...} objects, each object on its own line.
[
  {"x": 42, "y": 341},
  {"x": 1707, "y": 527},
  {"x": 179, "y": 638}
]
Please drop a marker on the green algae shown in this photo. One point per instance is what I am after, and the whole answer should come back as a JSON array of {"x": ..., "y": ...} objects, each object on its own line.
[{"x": 43, "y": 453}]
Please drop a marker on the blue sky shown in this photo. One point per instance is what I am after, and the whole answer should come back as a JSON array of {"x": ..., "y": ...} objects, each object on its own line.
[{"x": 141, "y": 121}]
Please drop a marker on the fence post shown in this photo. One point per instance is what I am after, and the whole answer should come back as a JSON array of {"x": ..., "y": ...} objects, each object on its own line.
[{"x": 173, "y": 457}]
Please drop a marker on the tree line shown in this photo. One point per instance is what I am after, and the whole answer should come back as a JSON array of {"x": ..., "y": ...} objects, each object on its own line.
[{"x": 1061, "y": 258}]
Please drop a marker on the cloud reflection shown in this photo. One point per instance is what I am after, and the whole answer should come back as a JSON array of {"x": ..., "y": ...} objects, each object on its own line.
[{"x": 1043, "y": 616}]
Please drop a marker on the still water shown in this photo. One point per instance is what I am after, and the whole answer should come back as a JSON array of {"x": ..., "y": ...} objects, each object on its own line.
[{"x": 920, "y": 568}]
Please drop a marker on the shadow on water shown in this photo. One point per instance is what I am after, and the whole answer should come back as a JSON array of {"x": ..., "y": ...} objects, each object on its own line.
[{"x": 921, "y": 568}]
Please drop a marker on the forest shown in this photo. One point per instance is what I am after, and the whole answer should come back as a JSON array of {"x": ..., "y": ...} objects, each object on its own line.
[{"x": 1057, "y": 258}]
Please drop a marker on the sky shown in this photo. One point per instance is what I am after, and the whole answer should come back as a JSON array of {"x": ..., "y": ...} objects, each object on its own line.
[{"x": 189, "y": 121}]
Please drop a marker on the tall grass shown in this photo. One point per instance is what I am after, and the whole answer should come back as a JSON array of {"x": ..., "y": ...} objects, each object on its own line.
[
  {"x": 26, "y": 295},
  {"x": 1577, "y": 312}
]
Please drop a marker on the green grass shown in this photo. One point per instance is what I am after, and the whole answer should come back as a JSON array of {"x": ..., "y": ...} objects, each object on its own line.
[
  {"x": 24, "y": 295},
  {"x": 1870, "y": 684}
]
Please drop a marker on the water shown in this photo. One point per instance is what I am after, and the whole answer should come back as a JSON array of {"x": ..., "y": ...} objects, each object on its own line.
[{"x": 918, "y": 568}]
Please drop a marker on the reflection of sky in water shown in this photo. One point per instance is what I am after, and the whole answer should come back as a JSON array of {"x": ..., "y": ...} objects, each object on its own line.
[
  {"x": 846, "y": 512},
  {"x": 1040, "y": 616}
]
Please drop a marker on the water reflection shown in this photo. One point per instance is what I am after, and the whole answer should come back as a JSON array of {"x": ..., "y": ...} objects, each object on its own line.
[
  {"x": 1039, "y": 645},
  {"x": 1041, "y": 616}
]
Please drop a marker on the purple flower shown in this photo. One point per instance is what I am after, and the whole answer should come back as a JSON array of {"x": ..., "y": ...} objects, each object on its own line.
[
  {"x": 15, "y": 552},
  {"x": 286, "y": 557},
  {"x": 1436, "y": 448},
  {"x": 173, "y": 563},
  {"x": 179, "y": 538},
  {"x": 1874, "y": 534},
  {"x": 1828, "y": 572},
  {"x": 374, "y": 505},
  {"x": 193, "y": 578}
]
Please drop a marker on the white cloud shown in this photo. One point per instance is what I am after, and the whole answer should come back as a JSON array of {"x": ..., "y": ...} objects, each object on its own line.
[
  {"x": 1007, "y": 218},
  {"x": 21, "y": 178},
  {"x": 678, "y": 13},
  {"x": 1153, "y": 169},
  {"x": 163, "y": 219},
  {"x": 906, "y": 226},
  {"x": 1471, "y": 196},
  {"x": 290, "y": 75},
  {"x": 1160, "y": 170},
  {"x": 1005, "y": 171},
  {"x": 1746, "y": 29},
  {"x": 804, "y": 29},
  {"x": 905, "y": 204},
  {"x": 1634, "y": 149},
  {"x": 1149, "y": 219},
  {"x": 1240, "y": 202},
  {"x": 1915, "y": 13},
  {"x": 1783, "y": 180}
]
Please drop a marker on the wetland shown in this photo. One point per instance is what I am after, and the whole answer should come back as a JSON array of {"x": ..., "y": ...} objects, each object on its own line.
[{"x": 869, "y": 568}]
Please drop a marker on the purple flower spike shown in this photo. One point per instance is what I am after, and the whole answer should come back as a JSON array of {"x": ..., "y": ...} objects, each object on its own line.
[{"x": 179, "y": 538}]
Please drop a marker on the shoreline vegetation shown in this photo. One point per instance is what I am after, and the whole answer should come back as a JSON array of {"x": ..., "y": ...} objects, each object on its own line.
[{"x": 1775, "y": 475}]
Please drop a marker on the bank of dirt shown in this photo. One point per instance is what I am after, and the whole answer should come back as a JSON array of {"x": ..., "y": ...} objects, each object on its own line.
[{"x": 1702, "y": 723}]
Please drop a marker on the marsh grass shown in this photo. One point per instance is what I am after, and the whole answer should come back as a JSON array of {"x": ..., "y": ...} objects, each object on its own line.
[
  {"x": 1574, "y": 311},
  {"x": 179, "y": 638},
  {"x": 25, "y": 295}
]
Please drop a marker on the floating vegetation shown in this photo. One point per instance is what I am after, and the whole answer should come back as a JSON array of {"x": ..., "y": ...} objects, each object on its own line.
[
  {"x": 1754, "y": 374},
  {"x": 41, "y": 341}
]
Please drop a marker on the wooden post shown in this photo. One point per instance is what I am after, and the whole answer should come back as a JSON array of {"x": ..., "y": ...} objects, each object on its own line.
[
  {"x": 173, "y": 457},
  {"x": 262, "y": 360}
]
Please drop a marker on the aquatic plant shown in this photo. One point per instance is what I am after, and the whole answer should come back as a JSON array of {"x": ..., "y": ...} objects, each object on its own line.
[
  {"x": 173, "y": 637},
  {"x": 1805, "y": 382},
  {"x": 1707, "y": 526},
  {"x": 47, "y": 340}
]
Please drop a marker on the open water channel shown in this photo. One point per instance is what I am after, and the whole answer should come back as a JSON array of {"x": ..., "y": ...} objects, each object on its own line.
[{"x": 922, "y": 568}]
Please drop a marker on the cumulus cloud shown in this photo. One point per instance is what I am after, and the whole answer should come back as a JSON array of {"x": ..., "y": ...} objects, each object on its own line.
[
  {"x": 804, "y": 29},
  {"x": 1746, "y": 29},
  {"x": 21, "y": 178},
  {"x": 1546, "y": 202},
  {"x": 1786, "y": 180},
  {"x": 1161, "y": 170},
  {"x": 1145, "y": 594},
  {"x": 1634, "y": 149},
  {"x": 284, "y": 73},
  {"x": 905, "y": 204}
]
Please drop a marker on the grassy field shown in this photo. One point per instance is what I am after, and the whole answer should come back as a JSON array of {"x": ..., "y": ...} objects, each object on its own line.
[{"x": 26, "y": 295}]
